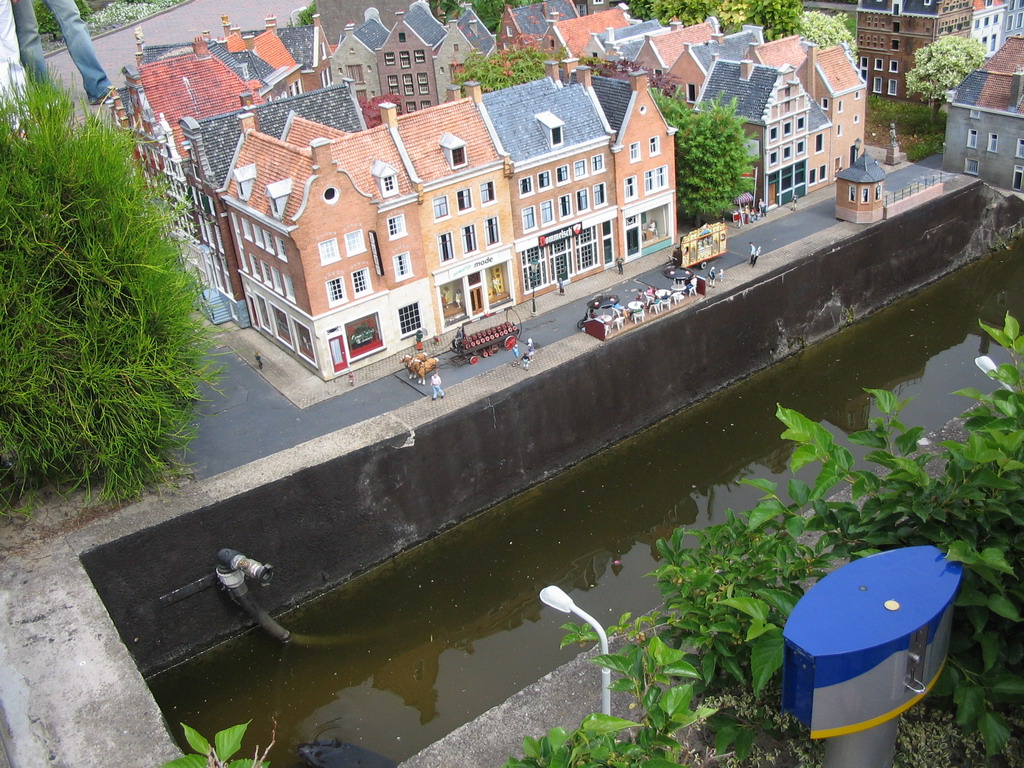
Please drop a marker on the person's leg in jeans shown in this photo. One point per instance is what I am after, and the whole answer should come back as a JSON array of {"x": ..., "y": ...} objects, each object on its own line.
[{"x": 76, "y": 37}]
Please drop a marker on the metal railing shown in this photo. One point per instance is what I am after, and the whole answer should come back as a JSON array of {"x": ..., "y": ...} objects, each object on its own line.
[{"x": 917, "y": 186}]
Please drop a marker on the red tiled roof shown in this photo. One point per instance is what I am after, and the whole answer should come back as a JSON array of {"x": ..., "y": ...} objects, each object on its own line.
[
  {"x": 421, "y": 133},
  {"x": 838, "y": 70},
  {"x": 268, "y": 46},
  {"x": 672, "y": 44},
  {"x": 275, "y": 160},
  {"x": 184, "y": 86},
  {"x": 1009, "y": 58},
  {"x": 995, "y": 93},
  {"x": 576, "y": 32},
  {"x": 785, "y": 50},
  {"x": 234, "y": 43},
  {"x": 302, "y": 131},
  {"x": 355, "y": 152}
]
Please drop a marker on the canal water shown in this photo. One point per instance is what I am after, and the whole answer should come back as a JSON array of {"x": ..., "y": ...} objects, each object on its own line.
[{"x": 427, "y": 642}]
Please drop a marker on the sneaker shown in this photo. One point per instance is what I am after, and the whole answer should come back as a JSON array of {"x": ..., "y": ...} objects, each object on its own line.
[
  {"x": 434, "y": 397},
  {"x": 107, "y": 94},
  {"x": 442, "y": 397}
]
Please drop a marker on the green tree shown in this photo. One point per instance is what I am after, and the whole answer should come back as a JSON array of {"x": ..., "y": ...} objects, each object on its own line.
[
  {"x": 711, "y": 155},
  {"x": 305, "y": 17},
  {"x": 687, "y": 11},
  {"x": 943, "y": 65},
  {"x": 102, "y": 350},
  {"x": 826, "y": 29},
  {"x": 502, "y": 69},
  {"x": 780, "y": 18}
]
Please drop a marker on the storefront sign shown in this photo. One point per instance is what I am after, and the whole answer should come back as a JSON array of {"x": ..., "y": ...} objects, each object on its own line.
[
  {"x": 363, "y": 335},
  {"x": 475, "y": 266},
  {"x": 378, "y": 263},
  {"x": 559, "y": 234}
]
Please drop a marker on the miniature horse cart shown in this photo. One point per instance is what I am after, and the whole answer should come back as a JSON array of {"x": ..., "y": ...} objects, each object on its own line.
[{"x": 472, "y": 343}]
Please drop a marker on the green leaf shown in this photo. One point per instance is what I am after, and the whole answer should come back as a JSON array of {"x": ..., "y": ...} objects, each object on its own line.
[
  {"x": 677, "y": 699},
  {"x": 598, "y": 723},
  {"x": 661, "y": 653},
  {"x": 970, "y": 701},
  {"x": 754, "y": 608},
  {"x": 229, "y": 741},
  {"x": 759, "y": 482},
  {"x": 994, "y": 731},
  {"x": 188, "y": 761},
  {"x": 615, "y": 662},
  {"x": 1002, "y": 606},
  {"x": 799, "y": 491},
  {"x": 994, "y": 558},
  {"x": 196, "y": 741},
  {"x": 531, "y": 747},
  {"x": 557, "y": 737},
  {"x": 766, "y": 658},
  {"x": 761, "y": 515},
  {"x": 886, "y": 401},
  {"x": 961, "y": 552},
  {"x": 796, "y": 525},
  {"x": 989, "y": 649},
  {"x": 681, "y": 669},
  {"x": 1008, "y": 685}
]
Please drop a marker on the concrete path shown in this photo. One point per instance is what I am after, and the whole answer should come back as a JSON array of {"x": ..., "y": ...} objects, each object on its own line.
[{"x": 116, "y": 49}]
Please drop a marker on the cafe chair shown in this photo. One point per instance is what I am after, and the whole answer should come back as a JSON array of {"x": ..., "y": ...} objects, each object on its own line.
[
  {"x": 678, "y": 296},
  {"x": 638, "y": 315},
  {"x": 619, "y": 321}
]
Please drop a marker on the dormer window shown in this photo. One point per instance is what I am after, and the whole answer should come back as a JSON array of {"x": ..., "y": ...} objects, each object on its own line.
[
  {"x": 387, "y": 178},
  {"x": 454, "y": 149},
  {"x": 553, "y": 126},
  {"x": 277, "y": 194},
  {"x": 244, "y": 177}
]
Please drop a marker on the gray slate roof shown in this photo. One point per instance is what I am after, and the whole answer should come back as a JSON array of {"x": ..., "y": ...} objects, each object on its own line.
[
  {"x": 630, "y": 32},
  {"x": 151, "y": 53},
  {"x": 913, "y": 7},
  {"x": 513, "y": 110},
  {"x": 422, "y": 22},
  {"x": 865, "y": 169},
  {"x": 751, "y": 95},
  {"x": 372, "y": 34},
  {"x": 733, "y": 48},
  {"x": 332, "y": 106},
  {"x": 816, "y": 118},
  {"x": 533, "y": 19},
  {"x": 299, "y": 42},
  {"x": 613, "y": 96},
  {"x": 475, "y": 31},
  {"x": 246, "y": 64}
]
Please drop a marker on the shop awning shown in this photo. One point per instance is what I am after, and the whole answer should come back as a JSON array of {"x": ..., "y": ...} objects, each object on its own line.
[{"x": 745, "y": 199}]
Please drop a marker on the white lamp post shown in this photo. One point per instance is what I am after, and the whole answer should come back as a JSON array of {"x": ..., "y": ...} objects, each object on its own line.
[
  {"x": 557, "y": 599},
  {"x": 988, "y": 366}
]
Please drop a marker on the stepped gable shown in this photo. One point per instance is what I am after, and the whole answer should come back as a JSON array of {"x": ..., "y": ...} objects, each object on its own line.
[
  {"x": 533, "y": 19},
  {"x": 476, "y": 32},
  {"x": 613, "y": 95},
  {"x": 838, "y": 69},
  {"x": 513, "y": 113},
  {"x": 331, "y": 106},
  {"x": 575, "y": 33},
  {"x": 752, "y": 96},
  {"x": 421, "y": 131},
  {"x": 372, "y": 33},
  {"x": 670, "y": 46},
  {"x": 421, "y": 21}
]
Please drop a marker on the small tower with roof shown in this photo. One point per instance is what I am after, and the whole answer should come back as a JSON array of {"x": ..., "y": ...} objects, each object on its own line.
[{"x": 860, "y": 189}]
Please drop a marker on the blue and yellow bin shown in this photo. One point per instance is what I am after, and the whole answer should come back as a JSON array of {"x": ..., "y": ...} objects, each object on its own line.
[{"x": 865, "y": 644}]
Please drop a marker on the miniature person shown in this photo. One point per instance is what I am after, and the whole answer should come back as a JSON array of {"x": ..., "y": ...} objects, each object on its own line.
[
  {"x": 529, "y": 347},
  {"x": 753, "y": 254},
  {"x": 892, "y": 134},
  {"x": 619, "y": 262},
  {"x": 712, "y": 274},
  {"x": 98, "y": 87},
  {"x": 756, "y": 256},
  {"x": 515, "y": 353},
  {"x": 435, "y": 383},
  {"x": 527, "y": 357},
  {"x": 762, "y": 206}
]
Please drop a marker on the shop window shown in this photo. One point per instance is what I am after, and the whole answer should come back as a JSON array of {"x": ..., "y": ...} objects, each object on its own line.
[{"x": 363, "y": 336}]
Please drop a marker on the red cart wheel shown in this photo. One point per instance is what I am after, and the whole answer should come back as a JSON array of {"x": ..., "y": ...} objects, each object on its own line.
[
  {"x": 510, "y": 341},
  {"x": 473, "y": 360}
]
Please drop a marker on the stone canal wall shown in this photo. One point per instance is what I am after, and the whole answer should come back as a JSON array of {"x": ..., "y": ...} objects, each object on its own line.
[{"x": 336, "y": 507}]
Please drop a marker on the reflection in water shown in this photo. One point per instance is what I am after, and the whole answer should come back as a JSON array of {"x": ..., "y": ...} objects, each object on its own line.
[{"x": 453, "y": 627}]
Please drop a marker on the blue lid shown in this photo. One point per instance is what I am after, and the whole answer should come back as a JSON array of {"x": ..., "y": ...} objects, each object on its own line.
[{"x": 846, "y": 611}]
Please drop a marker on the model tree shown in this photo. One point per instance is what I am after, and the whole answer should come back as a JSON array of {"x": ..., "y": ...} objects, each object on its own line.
[
  {"x": 102, "y": 349},
  {"x": 778, "y": 17},
  {"x": 825, "y": 30},
  {"x": 711, "y": 155},
  {"x": 506, "y": 68},
  {"x": 941, "y": 66}
]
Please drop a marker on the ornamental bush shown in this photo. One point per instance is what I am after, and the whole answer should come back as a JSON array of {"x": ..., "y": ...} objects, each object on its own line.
[{"x": 102, "y": 351}]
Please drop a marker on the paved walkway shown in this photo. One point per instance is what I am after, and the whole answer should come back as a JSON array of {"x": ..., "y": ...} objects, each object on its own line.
[{"x": 116, "y": 49}]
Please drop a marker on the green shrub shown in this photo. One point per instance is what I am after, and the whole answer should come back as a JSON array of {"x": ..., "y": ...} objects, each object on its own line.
[
  {"x": 306, "y": 15},
  {"x": 102, "y": 351},
  {"x": 48, "y": 24}
]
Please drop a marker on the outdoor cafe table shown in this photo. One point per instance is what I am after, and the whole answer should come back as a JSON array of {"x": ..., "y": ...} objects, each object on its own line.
[{"x": 663, "y": 293}]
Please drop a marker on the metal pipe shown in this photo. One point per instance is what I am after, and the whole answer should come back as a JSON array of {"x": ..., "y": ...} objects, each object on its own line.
[{"x": 232, "y": 568}]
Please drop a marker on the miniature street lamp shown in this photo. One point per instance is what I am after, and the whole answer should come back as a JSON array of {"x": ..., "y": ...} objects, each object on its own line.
[{"x": 557, "y": 599}]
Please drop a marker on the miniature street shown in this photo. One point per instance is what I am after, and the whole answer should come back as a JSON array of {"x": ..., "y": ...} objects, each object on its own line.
[{"x": 255, "y": 413}]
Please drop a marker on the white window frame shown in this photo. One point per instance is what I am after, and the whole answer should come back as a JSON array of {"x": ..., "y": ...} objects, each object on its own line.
[
  {"x": 362, "y": 275},
  {"x": 654, "y": 146},
  {"x": 579, "y": 169},
  {"x": 441, "y": 203},
  {"x": 355, "y": 243},
  {"x": 396, "y": 227},
  {"x": 529, "y": 214},
  {"x": 334, "y": 286},
  {"x": 526, "y": 186},
  {"x": 972, "y": 138},
  {"x": 629, "y": 188},
  {"x": 403, "y": 265},
  {"x": 971, "y": 166},
  {"x": 634, "y": 152},
  {"x": 993, "y": 143},
  {"x": 597, "y": 163},
  {"x": 329, "y": 252}
]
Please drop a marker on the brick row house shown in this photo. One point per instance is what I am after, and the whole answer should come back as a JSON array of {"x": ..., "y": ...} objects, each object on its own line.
[
  {"x": 413, "y": 60},
  {"x": 985, "y": 124},
  {"x": 889, "y": 32},
  {"x": 525, "y": 25}
]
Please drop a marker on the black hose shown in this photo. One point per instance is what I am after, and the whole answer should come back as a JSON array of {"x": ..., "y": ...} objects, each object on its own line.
[{"x": 255, "y": 610}]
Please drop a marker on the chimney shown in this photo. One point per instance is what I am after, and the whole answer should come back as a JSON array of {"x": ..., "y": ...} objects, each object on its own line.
[
  {"x": 453, "y": 92},
  {"x": 474, "y": 90},
  {"x": 609, "y": 35},
  {"x": 349, "y": 29},
  {"x": 226, "y": 24},
  {"x": 388, "y": 114},
  {"x": 583, "y": 76},
  {"x": 321, "y": 150},
  {"x": 200, "y": 48},
  {"x": 399, "y": 15},
  {"x": 638, "y": 81},
  {"x": 675, "y": 25},
  {"x": 718, "y": 37},
  {"x": 811, "y": 71},
  {"x": 140, "y": 42},
  {"x": 250, "y": 42},
  {"x": 453, "y": 25},
  {"x": 568, "y": 67},
  {"x": 236, "y": 30},
  {"x": 1016, "y": 87},
  {"x": 246, "y": 99},
  {"x": 746, "y": 69},
  {"x": 551, "y": 70},
  {"x": 271, "y": 22},
  {"x": 247, "y": 121}
]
